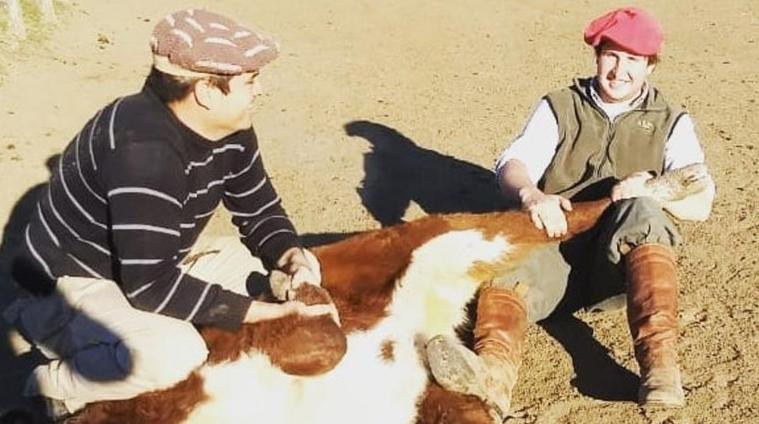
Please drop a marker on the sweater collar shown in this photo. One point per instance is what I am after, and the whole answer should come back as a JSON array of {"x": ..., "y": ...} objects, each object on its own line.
[{"x": 187, "y": 132}]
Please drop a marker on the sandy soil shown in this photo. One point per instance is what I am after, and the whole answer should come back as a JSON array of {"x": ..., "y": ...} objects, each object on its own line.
[{"x": 378, "y": 111}]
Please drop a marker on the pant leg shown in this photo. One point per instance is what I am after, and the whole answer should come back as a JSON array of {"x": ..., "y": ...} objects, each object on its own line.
[
  {"x": 545, "y": 272},
  {"x": 630, "y": 223},
  {"x": 42, "y": 320},
  {"x": 224, "y": 261},
  {"x": 106, "y": 350},
  {"x": 587, "y": 271}
]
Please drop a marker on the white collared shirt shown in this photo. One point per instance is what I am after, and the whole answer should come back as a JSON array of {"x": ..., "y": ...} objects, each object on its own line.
[{"x": 537, "y": 144}]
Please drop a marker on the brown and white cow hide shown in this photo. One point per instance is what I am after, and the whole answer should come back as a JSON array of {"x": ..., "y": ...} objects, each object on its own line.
[{"x": 394, "y": 288}]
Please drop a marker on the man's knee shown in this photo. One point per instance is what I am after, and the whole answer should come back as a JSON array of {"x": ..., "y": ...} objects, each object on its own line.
[
  {"x": 638, "y": 221},
  {"x": 169, "y": 358},
  {"x": 544, "y": 274},
  {"x": 638, "y": 207}
]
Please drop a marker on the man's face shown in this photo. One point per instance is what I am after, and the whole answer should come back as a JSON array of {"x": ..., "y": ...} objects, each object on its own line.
[
  {"x": 620, "y": 74},
  {"x": 233, "y": 110}
]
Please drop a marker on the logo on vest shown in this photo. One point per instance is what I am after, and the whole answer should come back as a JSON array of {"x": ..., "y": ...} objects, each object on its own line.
[{"x": 646, "y": 126}]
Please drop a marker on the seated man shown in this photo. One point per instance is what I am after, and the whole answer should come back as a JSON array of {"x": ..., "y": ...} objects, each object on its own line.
[
  {"x": 578, "y": 144},
  {"x": 110, "y": 290}
]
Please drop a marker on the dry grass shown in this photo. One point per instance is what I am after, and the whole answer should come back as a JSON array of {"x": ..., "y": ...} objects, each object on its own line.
[{"x": 37, "y": 21}]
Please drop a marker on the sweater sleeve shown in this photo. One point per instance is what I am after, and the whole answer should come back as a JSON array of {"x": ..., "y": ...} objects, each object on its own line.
[
  {"x": 256, "y": 209},
  {"x": 146, "y": 190}
]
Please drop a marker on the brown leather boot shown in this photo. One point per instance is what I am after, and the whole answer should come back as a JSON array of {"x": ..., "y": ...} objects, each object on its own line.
[
  {"x": 498, "y": 338},
  {"x": 652, "y": 315}
]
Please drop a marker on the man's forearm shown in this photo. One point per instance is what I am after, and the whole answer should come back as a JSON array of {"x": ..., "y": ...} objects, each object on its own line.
[{"x": 512, "y": 178}]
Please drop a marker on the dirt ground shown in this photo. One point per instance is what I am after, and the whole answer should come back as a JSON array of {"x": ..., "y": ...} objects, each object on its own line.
[{"x": 378, "y": 111}]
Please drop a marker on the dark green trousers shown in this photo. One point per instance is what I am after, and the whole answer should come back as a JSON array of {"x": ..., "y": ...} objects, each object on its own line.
[{"x": 588, "y": 271}]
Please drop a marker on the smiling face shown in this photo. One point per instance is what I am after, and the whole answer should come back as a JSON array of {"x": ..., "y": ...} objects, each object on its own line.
[
  {"x": 233, "y": 109},
  {"x": 620, "y": 74}
]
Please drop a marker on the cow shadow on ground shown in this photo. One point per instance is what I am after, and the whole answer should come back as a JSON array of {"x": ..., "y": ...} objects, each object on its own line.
[{"x": 398, "y": 171}]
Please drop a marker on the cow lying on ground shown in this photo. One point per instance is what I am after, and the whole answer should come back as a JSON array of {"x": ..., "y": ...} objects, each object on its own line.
[{"x": 394, "y": 288}]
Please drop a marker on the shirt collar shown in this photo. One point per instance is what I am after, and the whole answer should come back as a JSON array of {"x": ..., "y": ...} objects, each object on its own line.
[{"x": 614, "y": 109}]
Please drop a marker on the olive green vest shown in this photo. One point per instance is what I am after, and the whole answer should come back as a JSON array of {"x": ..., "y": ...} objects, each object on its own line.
[{"x": 593, "y": 153}]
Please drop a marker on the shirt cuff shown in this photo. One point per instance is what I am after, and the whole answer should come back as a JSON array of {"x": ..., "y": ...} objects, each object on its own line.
[
  {"x": 228, "y": 310},
  {"x": 276, "y": 246}
]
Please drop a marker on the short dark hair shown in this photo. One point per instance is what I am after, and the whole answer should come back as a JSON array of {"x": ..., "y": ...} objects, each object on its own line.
[
  {"x": 652, "y": 60},
  {"x": 171, "y": 88}
]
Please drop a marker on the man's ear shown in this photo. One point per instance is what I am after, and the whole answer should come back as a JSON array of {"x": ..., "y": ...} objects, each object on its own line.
[
  {"x": 650, "y": 68},
  {"x": 206, "y": 94}
]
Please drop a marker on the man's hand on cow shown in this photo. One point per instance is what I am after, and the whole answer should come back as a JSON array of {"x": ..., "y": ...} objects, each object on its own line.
[
  {"x": 301, "y": 265},
  {"x": 632, "y": 186},
  {"x": 546, "y": 210}
]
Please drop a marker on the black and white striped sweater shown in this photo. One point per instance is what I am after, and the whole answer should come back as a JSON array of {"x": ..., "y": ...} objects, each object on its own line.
[{"x": 130, "y": 196}]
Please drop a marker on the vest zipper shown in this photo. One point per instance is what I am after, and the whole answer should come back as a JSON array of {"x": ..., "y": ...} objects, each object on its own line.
[{"x": 610, "y": 131}]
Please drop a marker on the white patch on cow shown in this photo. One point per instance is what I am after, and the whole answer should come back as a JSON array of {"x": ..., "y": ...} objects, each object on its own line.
[
  {"x": 437, "y": 285},
  {"x": 253, "y": 389},
  {"x": 430, "y": 299}
]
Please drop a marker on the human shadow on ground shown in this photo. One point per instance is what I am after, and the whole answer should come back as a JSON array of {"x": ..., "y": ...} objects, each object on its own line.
[
  {"x": 16, "y": 366},
  {"x": 13, "y": 233},
  {"x": 398, "y": 171},
  {"x": 597, "y": 374}
]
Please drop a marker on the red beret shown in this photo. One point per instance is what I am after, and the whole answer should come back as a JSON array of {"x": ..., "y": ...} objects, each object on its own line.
[
  {"x": 631, "y": 28},
  {"x": 198, "y": 41}
]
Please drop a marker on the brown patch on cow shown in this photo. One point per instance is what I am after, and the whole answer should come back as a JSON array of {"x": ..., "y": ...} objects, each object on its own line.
[
  {"x": 387, "y": 351},
  {"x": 168, "y": 406},
  {"x": 518, "y": 228},
  {"x": 439, "y": 406},
  {"x": 298, "y": 345},
  {"x": 360, "y": 272}
]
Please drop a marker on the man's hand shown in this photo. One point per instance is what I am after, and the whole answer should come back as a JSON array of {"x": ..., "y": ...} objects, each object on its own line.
[
  {"x": 546, "y": 210},
  {"x": 632, "y": 186},
  {"x": 262, "y": 311},
  {"x": 686, "y": 193},
  {"x": 301, "y": 265}
]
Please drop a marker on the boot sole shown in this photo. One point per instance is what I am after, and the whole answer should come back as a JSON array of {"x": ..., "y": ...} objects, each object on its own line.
[
  {"x": 453, "y": 368},
  {"x": 675, "y": 402}
]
